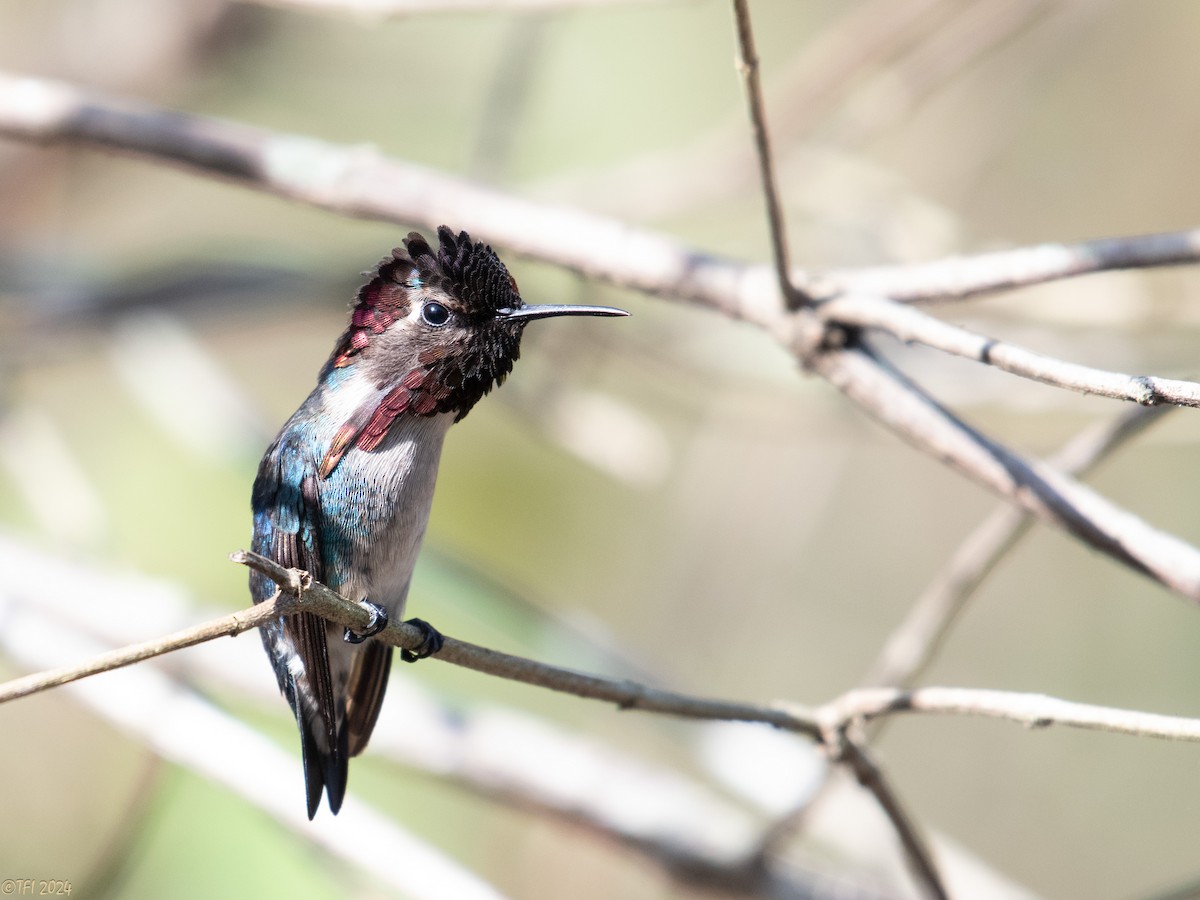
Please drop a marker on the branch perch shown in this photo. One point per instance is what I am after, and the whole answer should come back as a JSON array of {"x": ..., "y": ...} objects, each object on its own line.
[
  {"x": 815, "y": 723},
  {"x": 227, "y": 626},
  {"x": 324, "y": 602}
]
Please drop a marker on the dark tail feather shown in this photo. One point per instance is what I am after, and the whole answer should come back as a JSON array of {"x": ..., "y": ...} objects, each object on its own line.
[
  {"x": 364, "y": 689},
  {"x": 314, "y": 778},
  {"x": 323, "y": 772},
  {"x": 326, "y": 772}
]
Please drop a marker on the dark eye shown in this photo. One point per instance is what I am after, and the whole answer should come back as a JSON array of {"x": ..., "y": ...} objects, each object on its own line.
[{"x": 435, "y": 314}]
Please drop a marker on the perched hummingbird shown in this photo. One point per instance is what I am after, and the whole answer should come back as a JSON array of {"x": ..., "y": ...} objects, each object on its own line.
[{"x": 345, "y": 489}]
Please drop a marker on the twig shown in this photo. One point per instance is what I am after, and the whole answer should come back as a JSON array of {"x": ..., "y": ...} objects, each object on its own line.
[
  {"x": 968, "y": 276},
  {"x": 669, "y": 182},
  {"x": 748, "y": 66},
  {"x": 913, "y": 643},
  {"x": 1030, "y": 710},
  {"x": 870, "y": 776},
  {"x": 509, "y": 85},
  {"x": 226, "y": 626},
  {"x": 969, "y": 33},
  {"x": 911, "y": 325}
]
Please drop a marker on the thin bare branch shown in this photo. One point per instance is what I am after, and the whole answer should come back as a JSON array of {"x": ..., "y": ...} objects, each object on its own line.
[
  {"x": 939, "y": 60},
  {"x": 301, "y": 594},
  {"x": 1030, "y": 710},
  {"x": 226, "y": 626},
  {"x": 915, "y": 641},
  {"x": 625, "y": 694},
  {"x": 670, "y": 182},
  {"x": 870, "y": 776},
  {"x": 968, "y": 276},
  {"x": 911, "y": 325},
  {"x": 748, "y": 67}
]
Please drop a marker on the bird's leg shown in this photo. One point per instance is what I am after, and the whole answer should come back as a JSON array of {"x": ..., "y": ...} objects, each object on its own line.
[
  {"x": 431, "y": 641},
  {"x": 376, "y": 624}
]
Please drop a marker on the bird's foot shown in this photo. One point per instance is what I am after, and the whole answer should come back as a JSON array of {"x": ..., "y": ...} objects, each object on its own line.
[
  {"x": 376, "y": 624},
  {"x": 431, "y": 641}
]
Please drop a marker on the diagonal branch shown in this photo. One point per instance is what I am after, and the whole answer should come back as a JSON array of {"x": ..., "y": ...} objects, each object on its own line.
[
  {"x": 870, "y": 776},
  {"x": 299, "y": 593},
  {"x": 911, "y": 325},
  {"x": 226, "y": 626},
  {"x": 1051, "y": 496},
  {"x": 510, "y": 757}
]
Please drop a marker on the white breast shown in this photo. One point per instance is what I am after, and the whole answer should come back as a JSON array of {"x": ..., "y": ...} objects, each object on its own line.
[{"x": 398, "y": 478}]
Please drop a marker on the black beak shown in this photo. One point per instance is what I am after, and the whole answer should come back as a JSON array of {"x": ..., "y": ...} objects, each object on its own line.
[{"x": 548, "y": 310}]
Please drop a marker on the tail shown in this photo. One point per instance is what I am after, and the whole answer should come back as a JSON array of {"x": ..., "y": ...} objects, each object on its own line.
[
  {"x": 326, "y": 770},
  {"x": 299, "y": 654}
]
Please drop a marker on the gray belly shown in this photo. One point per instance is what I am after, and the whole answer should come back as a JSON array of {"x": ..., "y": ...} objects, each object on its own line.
[{"x": 375, "y": 508}]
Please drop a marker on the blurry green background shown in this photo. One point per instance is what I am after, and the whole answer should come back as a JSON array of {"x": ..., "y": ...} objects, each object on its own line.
[{"x": 670, "y": 483}]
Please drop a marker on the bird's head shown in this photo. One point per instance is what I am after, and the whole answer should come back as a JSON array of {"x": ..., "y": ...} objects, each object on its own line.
[{"x": 445, "y": 324}]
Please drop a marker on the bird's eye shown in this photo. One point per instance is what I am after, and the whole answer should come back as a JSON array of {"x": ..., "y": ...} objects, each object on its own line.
[{"x": 435, "y": 314}]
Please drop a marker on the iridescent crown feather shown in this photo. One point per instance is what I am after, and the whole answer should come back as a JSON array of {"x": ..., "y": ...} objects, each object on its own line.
[{"x": 466, "y": 270}]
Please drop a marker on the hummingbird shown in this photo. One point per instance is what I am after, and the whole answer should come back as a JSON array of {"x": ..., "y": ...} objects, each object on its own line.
[{"x": 345, "y": 489}]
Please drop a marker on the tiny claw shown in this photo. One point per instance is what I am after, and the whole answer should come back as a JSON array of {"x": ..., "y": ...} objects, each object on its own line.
[
  {"x": 376, "y": 624},
  {"x": 431, "y": 641}
]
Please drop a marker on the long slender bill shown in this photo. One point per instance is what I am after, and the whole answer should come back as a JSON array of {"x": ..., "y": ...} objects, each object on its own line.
[{"x": 545, "y": 311}]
